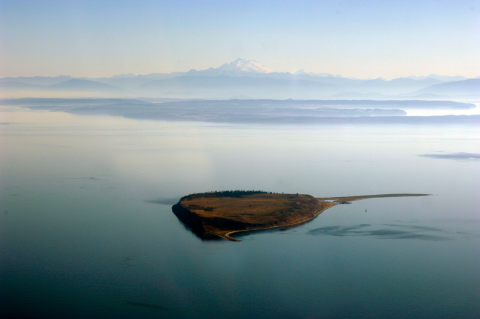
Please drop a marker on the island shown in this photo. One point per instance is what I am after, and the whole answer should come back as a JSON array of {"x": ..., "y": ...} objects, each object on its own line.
[{"x": 220, "y": 214}]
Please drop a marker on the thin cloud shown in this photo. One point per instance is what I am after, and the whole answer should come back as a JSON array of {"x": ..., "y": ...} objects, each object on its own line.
[{"x": 462, "y": 156}]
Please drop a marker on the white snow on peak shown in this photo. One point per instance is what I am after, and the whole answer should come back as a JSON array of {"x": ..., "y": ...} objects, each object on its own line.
[{"x": 244, "y": 65}]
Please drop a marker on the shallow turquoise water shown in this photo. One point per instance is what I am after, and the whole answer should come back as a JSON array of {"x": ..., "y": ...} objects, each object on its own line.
[{"x": 80, "y": 236}]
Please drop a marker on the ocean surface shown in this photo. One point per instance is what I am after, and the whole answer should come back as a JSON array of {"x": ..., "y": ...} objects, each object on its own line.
[{"x": 87, "y": 231}]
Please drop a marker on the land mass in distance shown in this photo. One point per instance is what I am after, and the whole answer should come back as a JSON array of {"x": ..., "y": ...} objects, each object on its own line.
[{"x": 224, "y": 213}]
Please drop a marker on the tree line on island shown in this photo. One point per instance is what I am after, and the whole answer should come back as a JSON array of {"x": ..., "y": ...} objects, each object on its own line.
[{"x": 235, "y": 193}]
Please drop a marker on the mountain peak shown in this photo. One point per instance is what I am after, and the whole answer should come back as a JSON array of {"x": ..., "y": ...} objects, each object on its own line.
[{"x": 244, "y": 65}]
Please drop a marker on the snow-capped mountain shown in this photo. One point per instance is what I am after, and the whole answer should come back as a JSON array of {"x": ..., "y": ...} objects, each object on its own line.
[
  {"x": 240, "y": 67},
  {"x": 243, "y": 65}
]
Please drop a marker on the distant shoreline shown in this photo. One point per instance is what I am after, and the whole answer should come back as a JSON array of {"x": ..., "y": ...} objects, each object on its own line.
[{"x": 262, "y": 111}]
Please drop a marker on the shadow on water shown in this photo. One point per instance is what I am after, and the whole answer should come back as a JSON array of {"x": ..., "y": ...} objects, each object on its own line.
[
  {"x": 244, "y": 234},
  {"x": 202, "y": 235},
  {"x": 394, "y": 231},
  {"x": 425, "y": 228}
]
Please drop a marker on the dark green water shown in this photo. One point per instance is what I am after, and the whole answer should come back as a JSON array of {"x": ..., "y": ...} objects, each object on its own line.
[{"x": 83, "y": 232}]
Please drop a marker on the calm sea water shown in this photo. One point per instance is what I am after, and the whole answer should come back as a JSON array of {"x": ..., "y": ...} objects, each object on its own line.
[{"x": 86, "y": 228}]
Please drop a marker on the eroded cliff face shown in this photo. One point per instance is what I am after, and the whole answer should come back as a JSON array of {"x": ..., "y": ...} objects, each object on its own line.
[{"x": 200, "y": 223}]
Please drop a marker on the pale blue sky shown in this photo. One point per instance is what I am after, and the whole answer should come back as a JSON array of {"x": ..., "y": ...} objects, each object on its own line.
[{"x": 365, "y": 39}]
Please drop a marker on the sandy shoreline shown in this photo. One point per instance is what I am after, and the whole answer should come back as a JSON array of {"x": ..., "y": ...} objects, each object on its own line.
[{"x": 353, "y": 198}]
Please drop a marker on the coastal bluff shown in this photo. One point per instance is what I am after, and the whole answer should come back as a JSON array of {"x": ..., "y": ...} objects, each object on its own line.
[{"x": 220, "y": 214}]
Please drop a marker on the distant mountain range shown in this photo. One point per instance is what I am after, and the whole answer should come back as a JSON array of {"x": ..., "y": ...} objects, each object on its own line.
[
  {"x": 465, "y": 87},
  {"x": 246, "y": 79},
  {"x": 83, "y": 85}
]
